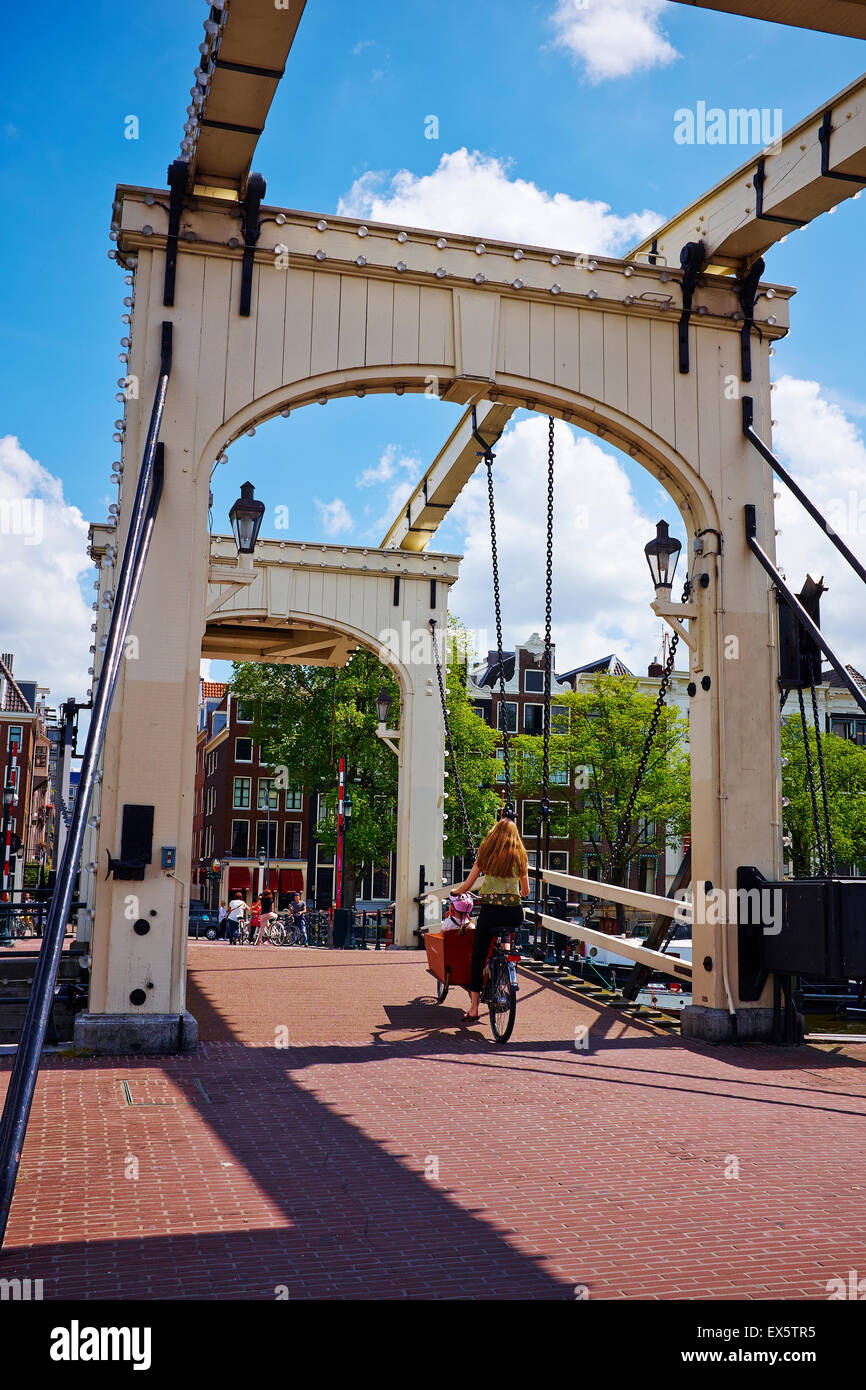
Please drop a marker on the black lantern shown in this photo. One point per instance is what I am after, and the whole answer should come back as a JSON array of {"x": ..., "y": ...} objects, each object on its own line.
[
  {"x": 661, "y": 556},
  {"x": 262, "y": 857},
  {"x": 384, "y": 701},
  {"x": 246, "y": 519},
  {"x": 347, "y": 806}
]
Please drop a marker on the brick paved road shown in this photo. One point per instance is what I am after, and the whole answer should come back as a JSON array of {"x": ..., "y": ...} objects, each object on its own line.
[{"x": 252, "y": 1166}]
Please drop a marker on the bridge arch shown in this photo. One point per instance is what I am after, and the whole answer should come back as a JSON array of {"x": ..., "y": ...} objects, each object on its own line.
[{"x": 597, "y": 347}]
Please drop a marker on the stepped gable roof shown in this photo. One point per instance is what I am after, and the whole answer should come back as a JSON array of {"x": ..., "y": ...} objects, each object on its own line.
[{"x": 14, "y": 701}]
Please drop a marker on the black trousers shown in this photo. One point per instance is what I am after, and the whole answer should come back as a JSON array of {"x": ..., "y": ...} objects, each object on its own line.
[{"x": 491, "y": 922}]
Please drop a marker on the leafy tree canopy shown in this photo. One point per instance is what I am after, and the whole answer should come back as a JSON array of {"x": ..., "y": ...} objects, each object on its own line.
[{"x": 845, "y": 771}]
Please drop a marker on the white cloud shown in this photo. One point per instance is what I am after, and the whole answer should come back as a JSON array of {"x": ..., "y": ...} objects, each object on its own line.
[
  {"x": 334, "y": 516},
  {"x": 390, "y": 461},
  {"x": 44, "y": 616},
  {"x": 601, "y": 587},
  {"x": 472, "y": 191},
  {"x": 826, "y": 454},
  {"x": 613, "y": 38}
]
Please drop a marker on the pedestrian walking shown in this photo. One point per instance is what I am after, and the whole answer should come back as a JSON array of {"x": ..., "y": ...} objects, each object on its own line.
[{"x": 221, "y": 921}]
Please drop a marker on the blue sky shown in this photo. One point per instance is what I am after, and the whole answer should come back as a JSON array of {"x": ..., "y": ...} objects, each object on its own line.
[{"x": 352, "y": 107}]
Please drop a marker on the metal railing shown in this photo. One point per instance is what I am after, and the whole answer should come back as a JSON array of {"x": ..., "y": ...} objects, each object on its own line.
[{"x": 19, "y": 1097}]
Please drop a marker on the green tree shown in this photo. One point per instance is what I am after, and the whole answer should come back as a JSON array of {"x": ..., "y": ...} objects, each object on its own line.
[
  {"x": 845, "y": 770},
  {"x": 306, "y": 718},
  {"x": 596, "y": 743},
  {"x": 474, "y": 748}
]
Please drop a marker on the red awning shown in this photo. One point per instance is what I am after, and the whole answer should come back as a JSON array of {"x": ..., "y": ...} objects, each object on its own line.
[
  {"x": 291, "y": 881},
  {"x": 239, "y": 877}
]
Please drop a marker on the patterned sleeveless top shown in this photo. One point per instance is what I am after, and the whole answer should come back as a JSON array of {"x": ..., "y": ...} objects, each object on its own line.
[{"x": 499, "y": 892}]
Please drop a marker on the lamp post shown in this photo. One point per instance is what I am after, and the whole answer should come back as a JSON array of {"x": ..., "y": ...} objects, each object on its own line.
[
  {"x": 262, "y": 856},
  {"x": 246, "y": 518},
  {"x": 384, "y": 701},
  {"x": 659, "y": 553},
  {"x": 662, "y": 554}
]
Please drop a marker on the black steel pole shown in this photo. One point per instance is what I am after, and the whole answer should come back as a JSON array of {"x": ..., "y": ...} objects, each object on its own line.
[
  {"x": 22, "y": 1084},
  {"x": 794, "y": 603}
]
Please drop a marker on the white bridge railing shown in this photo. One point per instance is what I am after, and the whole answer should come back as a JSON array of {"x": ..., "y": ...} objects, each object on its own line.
[{"x": 630, "y": 897}]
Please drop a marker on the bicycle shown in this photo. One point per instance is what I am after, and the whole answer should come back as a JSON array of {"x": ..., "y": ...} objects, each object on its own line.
[
  {"x": 279, "y": 932},
  {"x": 499, "y": 981},
  {"x": 499, "y": 989}
]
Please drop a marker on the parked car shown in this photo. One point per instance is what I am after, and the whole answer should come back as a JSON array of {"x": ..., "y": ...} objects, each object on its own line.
[{"x": 203, "y": 920}]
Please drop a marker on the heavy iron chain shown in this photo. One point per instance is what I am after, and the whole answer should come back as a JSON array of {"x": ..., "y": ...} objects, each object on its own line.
[
  {"x": 831, "y": 852},
  {"x": 508, "y": 807},
  {"x": 810, "y": 772},
  {"x": 625, "y": 822},
  {"x": 542, "y": 838},
  {"x": 470, "y": 839}
]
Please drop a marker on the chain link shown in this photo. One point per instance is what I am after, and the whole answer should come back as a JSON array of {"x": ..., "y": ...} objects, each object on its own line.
[
  {"x": 508, "y": 808},
  {"x": 625, "y": 822},
  {"x": 470, "y": 839},
  {"x": 831, "y": 852},
  {"x": 810, "y": 772}
]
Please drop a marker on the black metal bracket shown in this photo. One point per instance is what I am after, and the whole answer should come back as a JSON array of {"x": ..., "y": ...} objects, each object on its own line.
[
  {"x": 486, "y": 449},
  {"x": 747, "y": 286},
  {"x": 824, "y": 133},
  {"x": 759, "y": 178},
  {"x": 252, "y": 229},
  {"x": 693, "y": 258},
  {"x": 798, "y": 926},
  {"x": 178, "y": 176}
]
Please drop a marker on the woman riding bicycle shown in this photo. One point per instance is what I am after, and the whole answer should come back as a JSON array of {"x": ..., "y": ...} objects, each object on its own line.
[{"x": 502, "y": 866}]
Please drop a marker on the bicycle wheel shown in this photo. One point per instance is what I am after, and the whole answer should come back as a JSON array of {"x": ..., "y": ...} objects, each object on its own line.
[
  {"x": 502, "y": 1002},
  {"x": 442, "y": 987}
]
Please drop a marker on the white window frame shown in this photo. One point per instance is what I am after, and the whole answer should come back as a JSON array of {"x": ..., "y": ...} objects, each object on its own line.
[
  {"x": 533, "y": 704},
  {"x": 251, "y": 758},
  {"x": 239, "y": 805},
  {"x": 532, "y": 672},
  {"x": 507, "y": 704},
  {"x": 273, "y": 796},
  {"x": 247, "y": 824}
]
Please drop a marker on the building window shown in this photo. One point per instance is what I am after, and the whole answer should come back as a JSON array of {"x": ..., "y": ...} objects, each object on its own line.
[
  {"x": 533, "y": 719},
  {"x": 558, "y": 861},
  {"x": 241, "y": 793},
  {"x": 559, "y": 777},
  {"x": 41, "y": 759},
  {"x": 240, "y": 839},
  {"x": 15, "y": 736},
  {"x": 850, "y": 728},
  {"x": 244, "y": 713},
  {"x": 268, "y": 796},
  {"x": 218, "y": 722},
  {"x": 293, "y": 839},
  {"x": 559, "y": 719},
  {"x": 294, "y": 799},
  {"x": 533, "y": 682},
  {"x": 506, "y": 714},
  {"x": 646, "y": 874},
  {"x": 243, "y": 750},
  {"x": 500, "y": 770},
  {"x": 266, "y": 841}
]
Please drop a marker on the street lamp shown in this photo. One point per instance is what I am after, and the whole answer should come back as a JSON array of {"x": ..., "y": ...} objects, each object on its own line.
[
  {"x": 246, "y": 518},
  {"x": 262, "y": 857},
  {"x": 662, "y": 554},
  {"x": 659, "y": 554},
  {"x": 384, "y": 701}
]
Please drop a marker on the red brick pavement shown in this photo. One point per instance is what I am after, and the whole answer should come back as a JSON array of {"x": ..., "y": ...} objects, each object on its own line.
[{"x": 299, "y": 1159}]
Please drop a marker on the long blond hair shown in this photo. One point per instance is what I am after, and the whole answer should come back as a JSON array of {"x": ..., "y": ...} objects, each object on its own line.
[{"x": 502, "y": 854}]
